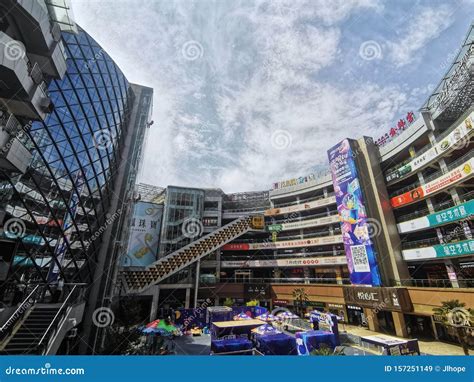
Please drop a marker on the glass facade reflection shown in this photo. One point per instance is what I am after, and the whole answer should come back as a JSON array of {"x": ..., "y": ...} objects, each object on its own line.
[
  {"x": 182, "y": 205},
  {"x": 63, "y": 198}
]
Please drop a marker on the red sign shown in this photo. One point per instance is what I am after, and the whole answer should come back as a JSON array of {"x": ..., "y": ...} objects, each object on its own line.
[
  {"x": 236, "y": 247},
  {"x": 407, "y": 197}
]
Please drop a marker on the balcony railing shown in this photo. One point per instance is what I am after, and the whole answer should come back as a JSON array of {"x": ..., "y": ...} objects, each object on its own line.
[
  {"x": 302, "y": 201},
  {"x": 435, "y": 283},
  {"x": 455, "y": 237}
]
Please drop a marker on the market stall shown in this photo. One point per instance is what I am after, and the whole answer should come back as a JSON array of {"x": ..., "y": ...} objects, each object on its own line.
[
  {"x": 387, "y": 345},
  {"x": 314, "y": 339}
]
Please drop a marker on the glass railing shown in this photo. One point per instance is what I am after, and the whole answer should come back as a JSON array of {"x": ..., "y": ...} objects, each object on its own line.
[
  {"x": 455, "y": 237},
  {"x": 293, "y": 237},
  {"x": 303, "y": 218},
  {"x": 435, "y": 283}
]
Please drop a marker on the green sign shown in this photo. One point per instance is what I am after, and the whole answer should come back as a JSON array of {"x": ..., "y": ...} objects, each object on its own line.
[
  {"x": 465, "y": 247},
  {"x": 459, "y": 212},
  {"x": 275, "y": 227}
]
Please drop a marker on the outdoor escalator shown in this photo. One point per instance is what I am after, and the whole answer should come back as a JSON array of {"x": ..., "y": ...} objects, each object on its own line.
[
  {"x": 40, "y": 328},
  {"x": 139, "y": 281}
]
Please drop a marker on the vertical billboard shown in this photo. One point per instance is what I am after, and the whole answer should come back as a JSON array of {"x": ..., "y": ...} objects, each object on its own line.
[
  {"x": 358, "y": 245},
  {"x": 144, "y": 235}
]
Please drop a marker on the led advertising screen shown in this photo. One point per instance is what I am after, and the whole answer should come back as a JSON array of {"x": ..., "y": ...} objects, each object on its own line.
[
  {"x": 144, "y": 235},
  {"x": 358, "y": 245}
]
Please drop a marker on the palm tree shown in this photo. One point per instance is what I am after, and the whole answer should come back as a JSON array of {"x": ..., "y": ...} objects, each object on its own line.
[
  {"x": 301, "y": 297},
  {"x": 454, "y": 314}
]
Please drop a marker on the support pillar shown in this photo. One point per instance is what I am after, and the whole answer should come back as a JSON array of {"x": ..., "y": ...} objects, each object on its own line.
[
  {"x": 196, "y": 285},
  {"x": 400, "y": 324},
  {"x": 451, "y": 271},
  {"x": 154, "y": 302},
  {"x": 372, "y": 319},
  {"x": 338, "y": 275},
  {"x": 188, "y": 298}
]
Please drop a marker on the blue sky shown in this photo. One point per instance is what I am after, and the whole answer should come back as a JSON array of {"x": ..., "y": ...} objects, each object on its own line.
[{"x": 252, "y": 92}]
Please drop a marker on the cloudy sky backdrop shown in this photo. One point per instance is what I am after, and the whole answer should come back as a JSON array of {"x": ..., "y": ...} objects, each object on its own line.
[{"x": 252, "y": 92}]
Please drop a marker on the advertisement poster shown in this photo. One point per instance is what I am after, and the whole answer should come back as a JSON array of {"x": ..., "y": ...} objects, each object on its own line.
[
  {"x": 449, "y": 215},
  {"x": 461, "y": 248},
  {"x": 303, "y": 224},
  {"x": 302, "y": 262},
  {"x": 451, "y": 141},
  {"x": 358, "y": 245},
  {"x": 300, "y": 207},
  {"x": 454, "y": 176},
  {"x": 144, "y": 235},
  {"x": 336, "y": 239}
]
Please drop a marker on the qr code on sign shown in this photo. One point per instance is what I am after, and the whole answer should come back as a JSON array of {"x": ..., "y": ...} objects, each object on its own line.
[{"x": 360, "y": 259}]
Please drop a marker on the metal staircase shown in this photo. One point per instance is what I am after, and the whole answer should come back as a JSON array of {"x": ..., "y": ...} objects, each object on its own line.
[{"x": 139, "y": 281}]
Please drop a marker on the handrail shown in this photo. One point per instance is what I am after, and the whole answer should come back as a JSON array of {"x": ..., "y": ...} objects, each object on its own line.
[
  {"x": 55, "y": 322},
  {"x": 18, "y": 313},
  {"x": 435, "y": 283},
  {"x": 282, "y": 280}
]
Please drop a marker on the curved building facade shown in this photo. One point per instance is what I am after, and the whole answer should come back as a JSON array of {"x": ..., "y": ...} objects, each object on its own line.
[{"x": 82, "y": 160}]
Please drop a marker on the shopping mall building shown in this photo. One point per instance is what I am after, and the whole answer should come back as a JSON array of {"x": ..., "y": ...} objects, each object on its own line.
[{"x": 381, "y": 237}]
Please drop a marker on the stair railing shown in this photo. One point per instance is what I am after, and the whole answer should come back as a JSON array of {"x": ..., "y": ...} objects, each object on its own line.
[
  {"x": 71, "y": 298},
  {"x": 19, "y": 313}
]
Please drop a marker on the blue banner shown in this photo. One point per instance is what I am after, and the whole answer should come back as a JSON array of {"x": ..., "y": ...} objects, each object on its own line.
[
  {"x": 358, "y": 245},
  {"x": 229, "y": 369}
]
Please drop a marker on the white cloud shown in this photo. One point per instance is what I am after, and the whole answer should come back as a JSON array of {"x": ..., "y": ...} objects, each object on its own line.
[{"x": 426, "y": 25}]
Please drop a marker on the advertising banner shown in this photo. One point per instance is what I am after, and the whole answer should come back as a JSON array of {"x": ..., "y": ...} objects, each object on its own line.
[
  {"x": 144, "y": 235},
  {"x": 336, "y": 239},
  {"x": 300, "y": 207},
  {"x": 460, "y": 212},
  {"x": 359, "y": 248},
  {"x": 295, "y": 262},
  {"x": 451, "y": 141},
  {"x": 461, "y": 248},
  {"x": 304, "y": 224},
  {"x": 454, "y": 176}
]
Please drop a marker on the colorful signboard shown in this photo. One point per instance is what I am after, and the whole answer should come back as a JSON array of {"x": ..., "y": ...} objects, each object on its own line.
[
  {"x": 294, "y": 262},
  {"x": 461, "y": 248},
  {"x": 456, "y": 213},
  {"x": 301, "y": 207},
  {"x": 336, "y": 239},
  {"x": 359, "y": 248},
  {"x": 454, "y": 176},
  {"x": 294, "y": 181},
  {"x": 304, "y": 224},
  {"x": 459, "y": 134},
  {"x": 144, "y": 235}
]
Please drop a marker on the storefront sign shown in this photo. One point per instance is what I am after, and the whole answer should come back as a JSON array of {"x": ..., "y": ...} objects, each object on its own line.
[
  {"x": 359, "y": 248},
  {"x": 380, "y": 298},
  {"x": 281, "y": 302},
  {"x": 460, "y": 173},
  {"x": 304, "y": 224},
  {"x": 144, "y": 235},
  {"x": 301, "y": 207},
  {"x": 461, "y": 248},
  {"x": 256, "y": 291},
  {"x": 294, "y": 181},
  {"x": 459, "y": 212},
  {"x": 336, "y": 239},
  {"x": 295, "y": 262},
  {"x": 458, "y": 134}
]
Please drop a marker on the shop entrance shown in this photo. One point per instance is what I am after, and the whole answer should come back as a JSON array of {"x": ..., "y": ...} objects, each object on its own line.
[
  {"x": 386, "y": 324},
  {"x": 419, "y": 327}
]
